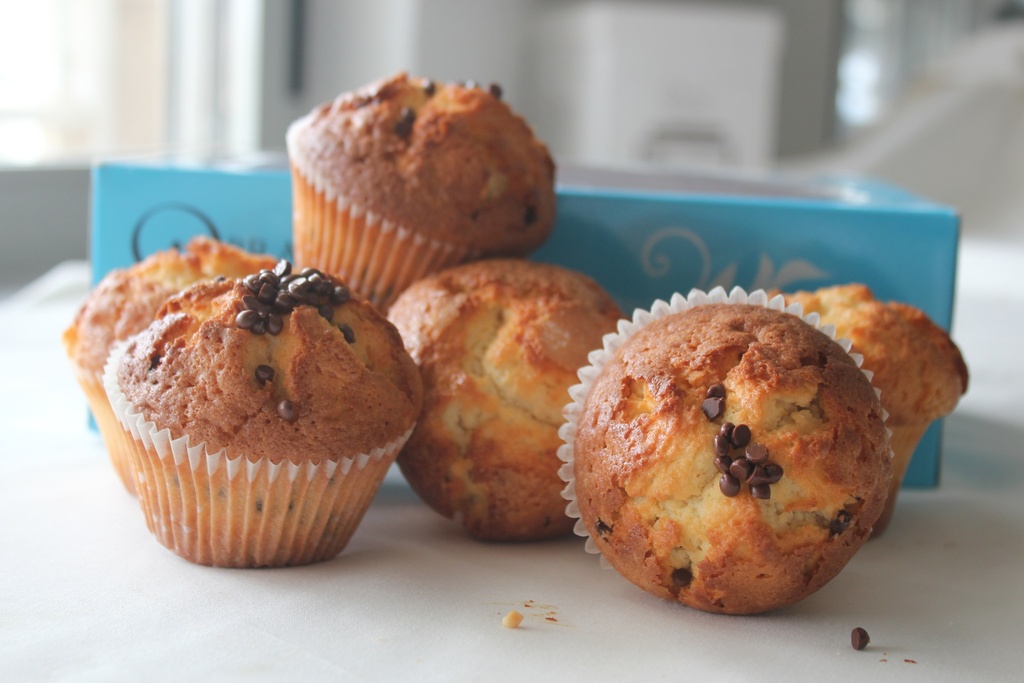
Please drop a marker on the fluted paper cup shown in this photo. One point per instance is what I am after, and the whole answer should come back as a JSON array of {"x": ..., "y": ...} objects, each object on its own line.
[
  {"x": 227, "y": 509},
  {"x": 378, "y": 258}
]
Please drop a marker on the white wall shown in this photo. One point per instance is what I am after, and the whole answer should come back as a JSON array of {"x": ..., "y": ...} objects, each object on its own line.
[{"x": 351, "y": 43}]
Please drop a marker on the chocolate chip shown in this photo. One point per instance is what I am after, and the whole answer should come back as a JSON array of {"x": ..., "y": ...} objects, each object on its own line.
[
  {"x": 267, "y": 294},
  {"x": 530, "y": 215},
  {"x": 741, "y": 469},
  {"x": 246, "y": 319},
  {"x": 264, "y": 374},
  {"x": 348, "y": 333},
  {"x": 839, "y": 523},
  {"x": 259, "y": 505},
  {"x": 495, "y": 90},
  {"x": 716, "y": 391},
  {"x": 756, "y": 453},
  {"x": 721, "y": 444},
  {"x": 602, "y": 528},
  {"x": 762, "y": 491},
  {"x": 682, "y": 577},
  {"x": 259, "y": 327},
  {"x": 726, "y": 430},
  {"x": 729, "y": 485},
  {"x": 429, "y": 88},
  {"x": 340, "y": 294},
  {"x": 722, "y": 463},
  {"x": 283, "y": 268},
  {"x": 275, "y": 324},
  {"x": 252, "y": 283},
  {"x": 713, "y": 408},
  {"x": 285, "y": 302},
  {"x": 154, "y": 361},
  {"x": 286, "y": 409},
  {"x": 774, "y": 472},
  {"x": 406, "y": 119},
  {"x": 859, "y": 638},
  {"x": 758, "y": 477},
  {"x": 252, "y": 303},
  {"x": 315, "y": 280},
  {"x": 740, "y": 436},
  {"x": 298, "y": 287}
]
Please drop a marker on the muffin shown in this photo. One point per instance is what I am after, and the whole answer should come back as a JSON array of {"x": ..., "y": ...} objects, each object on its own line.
[
  {"x": 914, "y": 363},
  {"x": 263, "y": 415},
  {"x": 124, "y": 302},
  {"x": 498, "y": 343},
  {"x": 405, "y": 177},
  {"x": 724, "y": 453}
]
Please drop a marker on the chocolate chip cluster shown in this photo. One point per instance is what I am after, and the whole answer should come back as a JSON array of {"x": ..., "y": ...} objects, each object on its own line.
[
  {"x": 275, "y": 293},
  {"x": 736, "y": 457}
]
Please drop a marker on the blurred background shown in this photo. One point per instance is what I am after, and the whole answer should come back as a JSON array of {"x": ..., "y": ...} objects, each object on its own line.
[{"x": 927, "y": 94}]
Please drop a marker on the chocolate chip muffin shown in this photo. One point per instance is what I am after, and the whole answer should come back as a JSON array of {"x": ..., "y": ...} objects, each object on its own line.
[
  {"x": 263, "y": 414},
  {"x": 498, "y": 343},
  {"x": 913, "y": 361},
  {"x": 725, "y": 454},
  {"x": 124, "y": 302},
  {"x": 407, "y": 176}
]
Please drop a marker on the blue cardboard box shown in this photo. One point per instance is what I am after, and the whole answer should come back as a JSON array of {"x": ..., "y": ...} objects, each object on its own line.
[
  {"x": 642, "y": 236},
  {"x": 146, "y": 205}
]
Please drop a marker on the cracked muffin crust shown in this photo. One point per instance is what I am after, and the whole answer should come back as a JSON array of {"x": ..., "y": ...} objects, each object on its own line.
[
  {"x": 914, "y": 363},
  {"x": 731, "y": 457},
  {"x": 498, "y": 344},
  {"x": 126, "y": 300},
  {"x": 194, "y": 371}
]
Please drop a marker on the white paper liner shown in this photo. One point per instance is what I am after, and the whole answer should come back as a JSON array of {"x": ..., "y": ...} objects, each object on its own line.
[
  {"x": 244, "y": 512},
  {"x": 376, "y": 257},
  {"x": 611, "y": 343}
]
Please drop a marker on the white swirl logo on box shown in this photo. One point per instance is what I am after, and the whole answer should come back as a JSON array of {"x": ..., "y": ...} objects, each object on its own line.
[{"x": 656, "y": 263}]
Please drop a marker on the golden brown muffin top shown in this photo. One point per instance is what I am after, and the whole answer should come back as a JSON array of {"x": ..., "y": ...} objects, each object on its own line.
[
  {"x": 514, "y": 315},
  {"x": 280, "y": 366},
  {"x": 648, "y": 484},
  {"x": 450, "y": 161},
  {"x": 127, "y": 299},
  {"x": 916, "y": 365},
  {"x": 498, "y": 343}
]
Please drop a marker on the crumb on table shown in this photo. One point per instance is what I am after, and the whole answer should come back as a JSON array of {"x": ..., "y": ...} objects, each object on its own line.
[{"x": 512, "y": 619}]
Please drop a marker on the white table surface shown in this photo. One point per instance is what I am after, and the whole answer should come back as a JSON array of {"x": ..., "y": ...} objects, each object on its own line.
[{"x": 86, "y": 593}]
